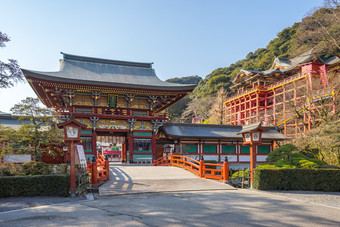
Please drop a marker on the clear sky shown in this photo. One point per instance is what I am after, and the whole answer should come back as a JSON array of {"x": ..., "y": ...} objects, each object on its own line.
[{"x": 181, "y": 37}]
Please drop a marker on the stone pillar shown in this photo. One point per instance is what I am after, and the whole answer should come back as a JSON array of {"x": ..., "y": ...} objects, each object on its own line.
[{"x": 94, "y": 143}]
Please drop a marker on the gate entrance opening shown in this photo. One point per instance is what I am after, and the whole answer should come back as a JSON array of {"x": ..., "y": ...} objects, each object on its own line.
[{"x": 113, "y": 146}]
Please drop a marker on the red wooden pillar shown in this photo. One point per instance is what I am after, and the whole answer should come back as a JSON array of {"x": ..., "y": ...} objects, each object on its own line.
[
  {"x": 334, "y": 102},
  {"x": 219, "y": 150},
  {"x": 309, "y": 118},
  {"x": 171, "y": 159},
  {"x": 323, "y": 74},
  {"x": 199, "y": 149},
  {"x": 252, "y": 163},
  {"x": 153, "y": 141},
  {"x": 257, "y": 105},
  {"x": 131, "y": 147},
  {"x": 73, "y": 170},
  {"x": 201, "y": 169},
  {"x": 274, "y": 106},
  {"x": 124, "y": 152},
  {"x": 107, "y": 167},
  {"x": 226, "y": 171},
  {"x": 94, "y": 173}
]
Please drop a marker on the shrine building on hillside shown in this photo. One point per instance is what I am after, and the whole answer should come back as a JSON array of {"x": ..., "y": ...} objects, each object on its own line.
[
  {"x": 121, "y": 102},
  {"x": 287, "y": 95}
]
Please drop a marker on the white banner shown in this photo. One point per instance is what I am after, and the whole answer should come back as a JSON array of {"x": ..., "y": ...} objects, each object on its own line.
[{"x": 81, "y": 155}]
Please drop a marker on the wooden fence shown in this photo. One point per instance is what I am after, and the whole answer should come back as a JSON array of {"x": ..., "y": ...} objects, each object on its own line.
[
  {"x": 99, "y": 169},
  {"x": 201, "y": 169},
  {"x": 240, "y": 178}
]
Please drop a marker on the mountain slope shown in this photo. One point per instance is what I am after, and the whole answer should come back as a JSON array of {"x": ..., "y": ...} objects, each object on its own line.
[{"x": 320, "y": 32}]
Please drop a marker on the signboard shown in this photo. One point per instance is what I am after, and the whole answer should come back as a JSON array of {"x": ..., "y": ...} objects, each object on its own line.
[
  {"x": 17, "y": 158},
  {"x": 81, "y": 155}
]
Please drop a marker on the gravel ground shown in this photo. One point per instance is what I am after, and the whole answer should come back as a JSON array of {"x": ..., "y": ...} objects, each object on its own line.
[{"x": 331, "y": 199}]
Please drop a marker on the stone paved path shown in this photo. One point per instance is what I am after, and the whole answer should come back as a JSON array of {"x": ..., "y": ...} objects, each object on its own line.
[
  {"x": 198, "y": 208},
  {"x": 140, "y": 179}
]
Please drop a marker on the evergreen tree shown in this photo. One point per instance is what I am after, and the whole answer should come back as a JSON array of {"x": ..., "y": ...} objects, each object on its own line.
[{"x": 10, "y": 72}]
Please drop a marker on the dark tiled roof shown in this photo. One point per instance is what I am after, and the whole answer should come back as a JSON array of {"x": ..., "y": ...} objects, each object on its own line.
[
  {"x": 288, "y": 64},
  {"x": 9, "y": 120},
  {"x": 248, "y": 128},
  {"x": 187, "y": 130},
  {"x": 97, "y": 71},
  {"x": 3, "y": 115},
  {"x": 332, "y": 60}
]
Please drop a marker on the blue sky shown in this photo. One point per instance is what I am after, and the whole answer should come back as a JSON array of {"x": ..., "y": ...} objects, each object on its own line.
[{"x": 182, "y": 38}]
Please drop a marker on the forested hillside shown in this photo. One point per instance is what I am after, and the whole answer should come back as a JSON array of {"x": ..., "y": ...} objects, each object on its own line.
[
  {"x": 320, "y": 31},
  {"x": 175, "y": 111},
  {"x": 185, "y": 80}
]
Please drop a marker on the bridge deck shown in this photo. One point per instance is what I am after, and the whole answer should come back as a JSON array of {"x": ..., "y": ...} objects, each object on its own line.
[{"x": 125, "y": 179}]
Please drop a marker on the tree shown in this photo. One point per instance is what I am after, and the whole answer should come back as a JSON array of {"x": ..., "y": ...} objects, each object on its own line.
[
  {"x": 322, "y": 142},
  {"x": 217, "y": 111},
  {"x": 185, "y": 80},
  {"x": 10, "y": 72},
  {"x": 31, "y": 109},
  {"x": 198, "y": 106},
  {"x": 175, "y": 111},
  {"x": 38, "y": 139},
  {"x": 320, "y": 31}
]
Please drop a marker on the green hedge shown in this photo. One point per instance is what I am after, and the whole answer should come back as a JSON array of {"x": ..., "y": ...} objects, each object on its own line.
[
  {"x": 41, "y": 185},
  {"x": 297, "y": 179}
]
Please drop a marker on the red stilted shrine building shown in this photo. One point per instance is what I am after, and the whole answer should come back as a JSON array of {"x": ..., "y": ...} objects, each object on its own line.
[{"x": 121, "y": 102}]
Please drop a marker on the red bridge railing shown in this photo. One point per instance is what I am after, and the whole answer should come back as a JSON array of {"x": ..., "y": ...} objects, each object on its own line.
[
  {"x": 99, "y": 169},
  {"x": 201, "y": 169}
]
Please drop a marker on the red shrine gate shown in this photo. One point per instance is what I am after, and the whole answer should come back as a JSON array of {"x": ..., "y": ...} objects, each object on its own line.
[{"x": 114, "y": 99}]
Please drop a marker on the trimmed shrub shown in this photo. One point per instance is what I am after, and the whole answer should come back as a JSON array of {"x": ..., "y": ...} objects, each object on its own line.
[
  {"x": 284, "y": 164},
  {"x": 240, "y": 173},
  {"x": 286, "y": 157},
  {"x": 60, "y": 168},
  {"x": 35, "y": 168},
  {"x": 282, "y": 152},
  {"x": 42, "y": 185},
  {"x": 10, "y": 169},
  {"x": 266, "y": 166},
  {"x": 297, "y": 179},
  {"x": 307, "y": 164},
  {"x": 5, "y": 171}
]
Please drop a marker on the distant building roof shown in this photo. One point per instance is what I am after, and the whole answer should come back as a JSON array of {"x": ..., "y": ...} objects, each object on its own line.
[
  {"x": 209, "y": 131},
  {"x": 8, "y": 120},
  {"x": 12, "y": 121},
  {"x": 4, "y": 115},
  {"x": 332, "y": 60},
  {"x": 282, "y": 65},
  {"x": 96, "y": 71}
]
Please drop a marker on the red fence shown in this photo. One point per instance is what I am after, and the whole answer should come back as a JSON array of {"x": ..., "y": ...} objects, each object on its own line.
[
  {"x": 201, "y": 169},
  {"x": 100, "y": 170}
]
